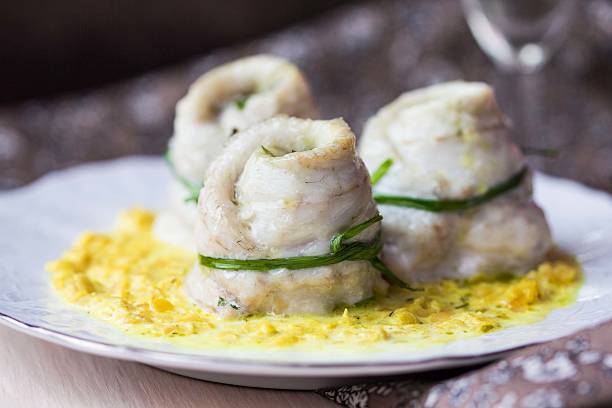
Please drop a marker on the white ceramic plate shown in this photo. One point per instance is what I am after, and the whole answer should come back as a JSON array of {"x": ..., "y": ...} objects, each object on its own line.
[{"x": 40, "y": 221}]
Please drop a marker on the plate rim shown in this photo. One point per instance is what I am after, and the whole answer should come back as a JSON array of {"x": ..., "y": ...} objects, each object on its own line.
[
  {"x": 228, "y": 365},
  {"x": 244, "y": 365}
]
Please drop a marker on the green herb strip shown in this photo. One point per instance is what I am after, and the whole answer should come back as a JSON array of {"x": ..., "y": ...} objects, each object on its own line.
[
  {"x": 339, "y": 252},
  {"x": 337, "y": 241},
  {"x": 192, "y": 189},
  {"x": 381, "y": 171},
  {"x": 355, "y": 251},
  {"x": 453, "y": 205},
  {"x": 390, "y": 276}
]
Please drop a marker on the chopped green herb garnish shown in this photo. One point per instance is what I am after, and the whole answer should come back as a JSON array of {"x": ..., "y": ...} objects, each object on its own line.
[
  {"x": 222, "y": 302},
  {"x": 241, "y": 102},
  {"x": 339, "y": 252},
  {"x": 487, "y": 328},
  {"x": 268, "y": 152}
]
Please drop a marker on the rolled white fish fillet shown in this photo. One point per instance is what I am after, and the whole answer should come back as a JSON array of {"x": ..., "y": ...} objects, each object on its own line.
[
  {"x": 221, "y": 102},
  {"x": 450, "y": 141},
  {"x": 284, "y": 188}
]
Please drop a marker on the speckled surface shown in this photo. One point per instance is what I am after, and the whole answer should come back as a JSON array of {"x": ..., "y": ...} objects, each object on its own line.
[{"x": 570, "y": 372}]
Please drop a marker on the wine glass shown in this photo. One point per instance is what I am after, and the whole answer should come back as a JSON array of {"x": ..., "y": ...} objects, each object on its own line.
[{"x": 519, "y": 35}]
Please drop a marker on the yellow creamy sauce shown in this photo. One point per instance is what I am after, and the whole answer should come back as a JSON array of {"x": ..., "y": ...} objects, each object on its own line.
[{"x": 129, "y": 279}]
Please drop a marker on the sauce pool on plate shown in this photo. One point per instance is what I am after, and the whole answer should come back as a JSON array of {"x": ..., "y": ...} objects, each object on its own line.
[{"x": 134, "y": 282}]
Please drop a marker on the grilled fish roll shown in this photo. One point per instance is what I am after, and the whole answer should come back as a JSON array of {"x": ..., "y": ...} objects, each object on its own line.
[
  {"x": 220, "y": 103},
  {"x": 283, "y": 189},
  {"x": 451, "y": 152}
]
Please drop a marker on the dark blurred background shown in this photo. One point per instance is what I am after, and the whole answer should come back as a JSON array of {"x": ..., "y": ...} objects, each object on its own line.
[
  {"x": 90, "y": 80},
  {"x": 53, "y": 46}
]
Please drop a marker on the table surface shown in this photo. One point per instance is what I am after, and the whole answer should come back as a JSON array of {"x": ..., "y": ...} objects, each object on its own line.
[{"x": 34, "y": 373}]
